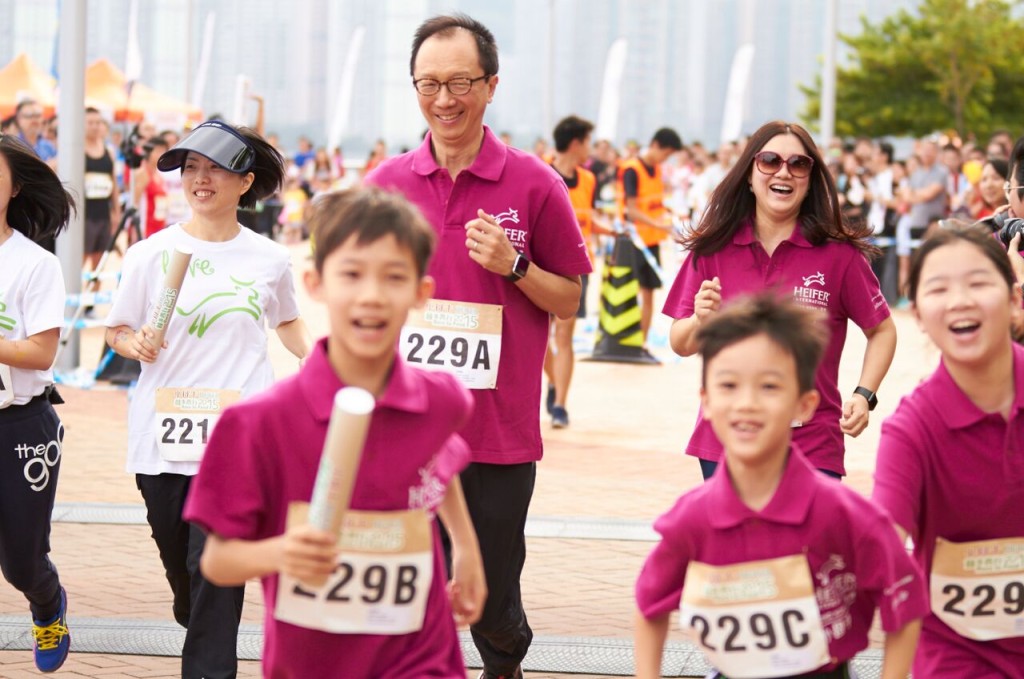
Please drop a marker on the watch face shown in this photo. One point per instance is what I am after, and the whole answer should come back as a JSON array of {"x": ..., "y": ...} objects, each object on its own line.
[{"x": 520, "y": 266}]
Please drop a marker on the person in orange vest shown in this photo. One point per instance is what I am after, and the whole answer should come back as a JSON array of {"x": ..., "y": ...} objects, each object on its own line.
[
  {"x": 641, "y": 194},
  {"x": 572, "y": 149}
]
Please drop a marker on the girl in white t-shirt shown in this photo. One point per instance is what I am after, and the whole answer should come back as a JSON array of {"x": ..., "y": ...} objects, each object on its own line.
[
  {"x": 214, "y": 352},
  {"x": 33, "y": 207}
]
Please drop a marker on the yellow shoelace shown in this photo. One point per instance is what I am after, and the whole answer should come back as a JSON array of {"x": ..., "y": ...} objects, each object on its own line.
[{"x": 48, "y": 638}]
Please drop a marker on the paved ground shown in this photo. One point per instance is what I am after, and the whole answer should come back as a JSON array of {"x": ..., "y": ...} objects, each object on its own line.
[{"x": 619, "y": 459}]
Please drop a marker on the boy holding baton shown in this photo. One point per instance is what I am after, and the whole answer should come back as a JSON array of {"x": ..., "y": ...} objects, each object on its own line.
[
  {"x": 383, "y": 611},
  {"x": 776, "y": 569}
]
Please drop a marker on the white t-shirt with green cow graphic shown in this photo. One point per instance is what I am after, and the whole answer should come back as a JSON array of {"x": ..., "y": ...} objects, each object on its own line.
[
  {"x": 217, "y": 339},
  {"x": 31, "y": 302}
]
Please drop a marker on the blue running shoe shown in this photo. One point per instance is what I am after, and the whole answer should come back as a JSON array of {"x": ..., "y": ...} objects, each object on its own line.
[
  {"x": 53, "y": 640},
  {"x": 559, "y": 417}
]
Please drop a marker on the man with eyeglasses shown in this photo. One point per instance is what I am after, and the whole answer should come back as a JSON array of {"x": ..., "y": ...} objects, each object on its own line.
[
  {"x": 509, "y": 253},
  {"x": 28, "y": 116}
]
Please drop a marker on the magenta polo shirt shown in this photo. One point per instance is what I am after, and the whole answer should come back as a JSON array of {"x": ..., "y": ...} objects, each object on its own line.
[
  {"x": 946, "y": 469},
  {"x": 531, "y": 202},
  {"x": 264, "y": 453},
  {"x": 834, "y": 278},
  {"x": 856, "y": 559}
]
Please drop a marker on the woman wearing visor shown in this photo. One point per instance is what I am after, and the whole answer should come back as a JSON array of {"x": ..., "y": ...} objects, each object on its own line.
[
  {"x": 774, "y": 222},
  {"x": 214, "y": 353}
]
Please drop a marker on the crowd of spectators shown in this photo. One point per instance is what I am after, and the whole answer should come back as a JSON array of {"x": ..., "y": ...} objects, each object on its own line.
[{"x": 900, "y": 196}]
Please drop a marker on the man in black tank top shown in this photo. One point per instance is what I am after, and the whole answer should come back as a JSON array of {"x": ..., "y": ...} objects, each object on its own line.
[{"x": 102, "y": 208}]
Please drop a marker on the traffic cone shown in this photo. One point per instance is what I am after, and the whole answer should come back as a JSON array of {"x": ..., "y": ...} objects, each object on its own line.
[{"x": 619, "y": 337}]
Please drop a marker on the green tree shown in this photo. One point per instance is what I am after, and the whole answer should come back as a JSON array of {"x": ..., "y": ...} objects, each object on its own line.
[{"x": 956, "y": 64}]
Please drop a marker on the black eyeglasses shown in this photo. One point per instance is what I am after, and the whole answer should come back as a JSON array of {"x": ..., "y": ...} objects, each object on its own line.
[
  {"x": 769, "y": 162},
  {"x": 428, "y": 87}
]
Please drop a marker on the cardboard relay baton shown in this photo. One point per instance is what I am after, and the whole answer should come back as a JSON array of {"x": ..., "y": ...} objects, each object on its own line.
[
  {"x": 168, "y": 297},
  {"x": 339, "y": 461}
]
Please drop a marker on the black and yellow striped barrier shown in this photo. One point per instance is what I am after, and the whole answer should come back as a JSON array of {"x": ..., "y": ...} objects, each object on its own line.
[{"x": 619, "y": 337}]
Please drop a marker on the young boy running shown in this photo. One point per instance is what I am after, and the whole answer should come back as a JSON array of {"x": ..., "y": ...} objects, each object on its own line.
[
  {"x": 777, "y": 570},
  {"x": 384, "y": 611}
]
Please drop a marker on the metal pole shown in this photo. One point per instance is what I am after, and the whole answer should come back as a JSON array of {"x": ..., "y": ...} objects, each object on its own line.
[
  {"x": 828, "y": 75},
  {"x": 190, "y": 48},
  {"x": 71, "y": 155},
  {"x": 549, "y": 95}
]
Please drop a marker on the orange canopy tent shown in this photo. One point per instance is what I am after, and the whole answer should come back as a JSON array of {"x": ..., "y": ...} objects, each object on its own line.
[
  {"x": 22, "y": 79},
  {"x": 105, "y": 89}
]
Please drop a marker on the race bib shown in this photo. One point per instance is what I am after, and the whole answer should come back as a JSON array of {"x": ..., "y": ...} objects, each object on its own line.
[
  {"x": 462, "y": 338},
  {"x": 160, "y": 208},
  {"x": 98, "y": 185},
  {"x": 185, "y": 417},
  {"x": 756, "y": 619},
  {"x": 178, "y": 209},
  {"x": 977, "y": 588},
  {"x": 381, "y": 582},
  {"x": 6, "y": 386}
]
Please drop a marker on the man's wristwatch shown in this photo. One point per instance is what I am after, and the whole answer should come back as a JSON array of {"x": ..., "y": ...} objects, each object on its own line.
[
  {"x": 872, "y": 397},
  {"x": 519, "y": 268}
]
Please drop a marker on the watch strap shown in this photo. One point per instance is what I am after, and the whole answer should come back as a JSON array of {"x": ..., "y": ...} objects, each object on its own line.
[{"x": 870, "y": 396}]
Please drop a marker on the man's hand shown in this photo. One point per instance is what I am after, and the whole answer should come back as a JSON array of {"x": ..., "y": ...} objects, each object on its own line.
[{"x": 488, "y": 245}]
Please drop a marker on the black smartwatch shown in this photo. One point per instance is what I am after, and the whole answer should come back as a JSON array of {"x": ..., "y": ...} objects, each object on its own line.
[
  {"x": 519, "y": 268},
  {"x": 872, "y": 397}
]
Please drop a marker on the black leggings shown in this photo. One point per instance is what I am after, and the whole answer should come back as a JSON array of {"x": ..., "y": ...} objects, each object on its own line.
[
  {"x": 210, "y": 614},
  {"x": 31, "y": 437}
]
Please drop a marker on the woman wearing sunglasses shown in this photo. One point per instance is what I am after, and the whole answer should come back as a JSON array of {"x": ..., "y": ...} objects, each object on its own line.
[
  {"x": 215, "y": 352},
  {"x": 774, "y": 222}
]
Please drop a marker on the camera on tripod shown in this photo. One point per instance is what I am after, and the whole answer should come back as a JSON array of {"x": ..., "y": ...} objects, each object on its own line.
[{"x": 132, "y": 150}]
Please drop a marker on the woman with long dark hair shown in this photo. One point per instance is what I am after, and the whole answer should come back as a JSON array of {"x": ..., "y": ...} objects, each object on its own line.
[
  {"x": 237, "y": 285},
  {"x": 988, "y": 196},
  {"x": 775, "y": 222},
  {"x": 34, "y": 207}
]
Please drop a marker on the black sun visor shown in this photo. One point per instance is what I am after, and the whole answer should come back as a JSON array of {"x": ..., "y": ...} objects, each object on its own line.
[{"x": 214, "y": 140}]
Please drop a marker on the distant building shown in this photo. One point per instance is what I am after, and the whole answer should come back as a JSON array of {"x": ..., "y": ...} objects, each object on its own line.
[{"x": 677, "y": 71}]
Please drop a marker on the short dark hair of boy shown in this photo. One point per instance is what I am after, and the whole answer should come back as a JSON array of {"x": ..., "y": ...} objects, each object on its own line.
[
  {"x": 568, "y": 130},
  {"x": 369, "y": 214},
  {"x": 796, "y": 330},
  {"x": 667, "y": 138}
]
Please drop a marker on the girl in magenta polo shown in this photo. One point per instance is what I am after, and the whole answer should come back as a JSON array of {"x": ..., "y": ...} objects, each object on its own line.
[
  {"x": 950, "y": 464},
  {"x": 774, "y": 223}
]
